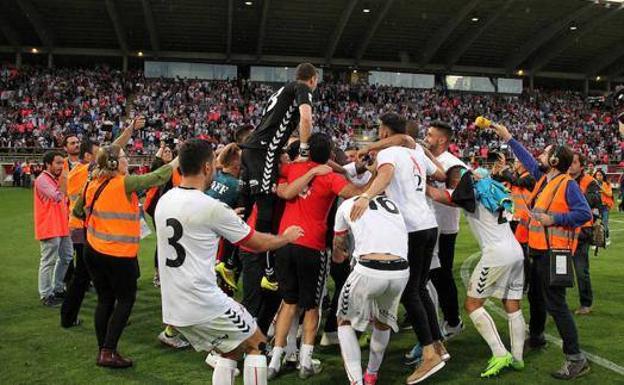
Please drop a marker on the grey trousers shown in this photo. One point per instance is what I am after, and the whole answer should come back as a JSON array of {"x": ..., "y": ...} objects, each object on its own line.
[{"x": 56, "y": 255}]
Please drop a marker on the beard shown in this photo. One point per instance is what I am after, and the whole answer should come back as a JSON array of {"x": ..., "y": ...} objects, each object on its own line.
[{"x": 543, "y": 168}]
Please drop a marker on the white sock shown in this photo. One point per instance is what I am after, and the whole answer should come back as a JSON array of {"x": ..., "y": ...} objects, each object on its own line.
[
  {"x": 276, "y": 358},
  {"x": 487, "y": 328},
  {"x": 351, "y": 354},
  {"x": 517, "y": 332},
  {"x": 378, "y": 343},
  {"x": 291, "y": 338},
  {"x": 223, "y": 373},
  {"x": 305, "y": 355},
  {"x": 255, "y": 371}
]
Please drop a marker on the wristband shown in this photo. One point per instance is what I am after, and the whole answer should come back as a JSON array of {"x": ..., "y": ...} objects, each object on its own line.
[
  {"x": 304, "y": 150},
  {"x": 365, "y": 196}
]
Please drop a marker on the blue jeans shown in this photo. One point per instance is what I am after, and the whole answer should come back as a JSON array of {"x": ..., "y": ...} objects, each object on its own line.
[
  {"x": 605, "y": 219},
  {"x": 56, "y": 255}
]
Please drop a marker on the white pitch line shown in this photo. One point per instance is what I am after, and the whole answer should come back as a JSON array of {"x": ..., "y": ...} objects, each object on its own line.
[
  {"x": 605, "y": 363},
  {"x": 615, "y": 220}
]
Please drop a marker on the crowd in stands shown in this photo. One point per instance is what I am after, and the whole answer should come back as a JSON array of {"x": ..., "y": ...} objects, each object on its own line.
[{"x": 39, "y": 106}]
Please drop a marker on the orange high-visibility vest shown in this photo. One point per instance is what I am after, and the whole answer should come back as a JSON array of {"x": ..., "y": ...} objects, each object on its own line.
[
  {"x": 551, "y": 201},
  {"x": 50, "y": 216},
  {"x": 521, "y": 196},
  {"x": 606, "y": 199},
  {"x": 75, "y": 182},
  {"x": 113, "y": 224},
  {"x": 176, "y": 177},
  {"x": 584, "y": 183}
]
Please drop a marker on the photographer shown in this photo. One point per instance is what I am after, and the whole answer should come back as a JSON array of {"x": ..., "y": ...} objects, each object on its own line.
[{"x": 558, "y": 211}]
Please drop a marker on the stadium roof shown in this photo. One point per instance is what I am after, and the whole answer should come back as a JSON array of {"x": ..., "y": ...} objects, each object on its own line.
[{"x": 573, "y": 39}]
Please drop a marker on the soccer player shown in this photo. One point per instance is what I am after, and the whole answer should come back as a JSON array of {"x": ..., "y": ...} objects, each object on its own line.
[
  {"x": 288, "y": 108},
  {"x": 439, "y": 137},
  {"x": 402, "y": 173},
  {"x": 309, "y": 189},
  {"x": 499, "y": 273},
  {"x": 375, "y": 285},
  {"x": 189, "y": 224}
]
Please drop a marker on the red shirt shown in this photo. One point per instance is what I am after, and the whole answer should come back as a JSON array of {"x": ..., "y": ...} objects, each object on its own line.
[{"x": 309, "y": 210}]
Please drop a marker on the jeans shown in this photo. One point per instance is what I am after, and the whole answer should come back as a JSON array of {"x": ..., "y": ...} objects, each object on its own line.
[
  {"x": 604, "y": 212},
  {"x": 56, "y": 255},
  {"x": 442, "y": 279},
  {"x": 545, "y": 298},
  {"x": 115, "y": 280},
  {"x": 418, "y": 305},
  {"x": 581, "y": 268}
]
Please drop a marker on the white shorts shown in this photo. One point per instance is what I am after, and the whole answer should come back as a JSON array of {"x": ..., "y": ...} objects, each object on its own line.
[
  {"x": 504, "y": 282},
  {"x": 370, "y": 294},
  {"x": 224, "y": 333}
]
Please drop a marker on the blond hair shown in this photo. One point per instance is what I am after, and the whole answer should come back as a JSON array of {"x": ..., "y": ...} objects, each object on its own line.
[{"x": 107, "y": 162}]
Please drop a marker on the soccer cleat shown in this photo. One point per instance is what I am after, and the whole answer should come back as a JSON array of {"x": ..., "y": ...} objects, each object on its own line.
[
  {"x": 305, "y": 372},
  {"x": 291, "y": 360},
  {"x": 572, "y": 369},
  {"x": 211, "y": 360},
  {"x": 268, "y": 285},
  {"x": 517, "y": 365},
  {"x": 425, "y": 370},
  {"x": 414, "y": 357},
  {"x": 449, "y": 332},
  {"x": 329, "y": 339},
  {"x": 583, "y": 310},
  {"x": 406, "y": 324},
  {"x": 175, "y": 341},
  {"x": 226, "y": 274},
  {"x": 370, "y": 378},
  {"x": 496, "y": 364}
]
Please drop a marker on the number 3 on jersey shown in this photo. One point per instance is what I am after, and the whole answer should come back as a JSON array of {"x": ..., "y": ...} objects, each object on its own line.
[{"x": 173, "y": 242}]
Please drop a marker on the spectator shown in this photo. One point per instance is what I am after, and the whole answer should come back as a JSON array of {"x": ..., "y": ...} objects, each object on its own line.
[{"x": 51, "y": 228}]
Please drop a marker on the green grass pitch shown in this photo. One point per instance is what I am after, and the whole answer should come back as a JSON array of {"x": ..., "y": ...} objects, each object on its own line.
[{"x": 35, "y": 350}]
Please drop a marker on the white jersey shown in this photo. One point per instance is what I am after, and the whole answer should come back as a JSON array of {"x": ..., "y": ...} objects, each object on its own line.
[
  {"x": 352, "y": 175},
  {"x": 498, "y": 244},
  {"x": 380, "y": 230},
  {"x": 189, "y": 224},
  {"x": 407, "y": 187},
  {"x": 446, "y": 216}
]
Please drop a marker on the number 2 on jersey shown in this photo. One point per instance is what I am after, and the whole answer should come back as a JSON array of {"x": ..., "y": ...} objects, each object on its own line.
[
  {"x": 417, "y": 175},
  {"x": 173, "y": 241}
]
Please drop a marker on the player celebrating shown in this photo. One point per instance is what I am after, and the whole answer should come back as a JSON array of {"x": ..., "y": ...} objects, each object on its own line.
[
  {"x": 290, "y": 107},
  {"x": 189, "y": 224},
  {"x": 403, "y": 173},
  {"x": 375, "y": 285},
  {"x": 499, "y": 273}
]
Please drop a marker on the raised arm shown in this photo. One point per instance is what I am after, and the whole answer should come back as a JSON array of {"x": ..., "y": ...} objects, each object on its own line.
[
  {"x": 379, "y": 184},
  {"x": 135, "y": 124}
]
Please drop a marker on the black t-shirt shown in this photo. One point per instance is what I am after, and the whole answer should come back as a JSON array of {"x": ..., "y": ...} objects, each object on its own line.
[{"x": 280, "y": 117}]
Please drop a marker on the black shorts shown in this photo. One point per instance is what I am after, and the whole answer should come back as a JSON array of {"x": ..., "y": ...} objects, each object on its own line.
[{"x": 301, "y": 274}]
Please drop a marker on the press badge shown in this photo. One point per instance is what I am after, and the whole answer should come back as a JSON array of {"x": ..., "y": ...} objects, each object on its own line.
[{"x": 561, "y": 266}]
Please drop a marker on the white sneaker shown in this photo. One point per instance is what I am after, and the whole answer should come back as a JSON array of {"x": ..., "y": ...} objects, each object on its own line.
[
  {"x": 329, "y": 339},
  {"x": 176, "y": 342},
  {"x": 450, "y": 332},
  {"x": 211, "y": 360}
]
